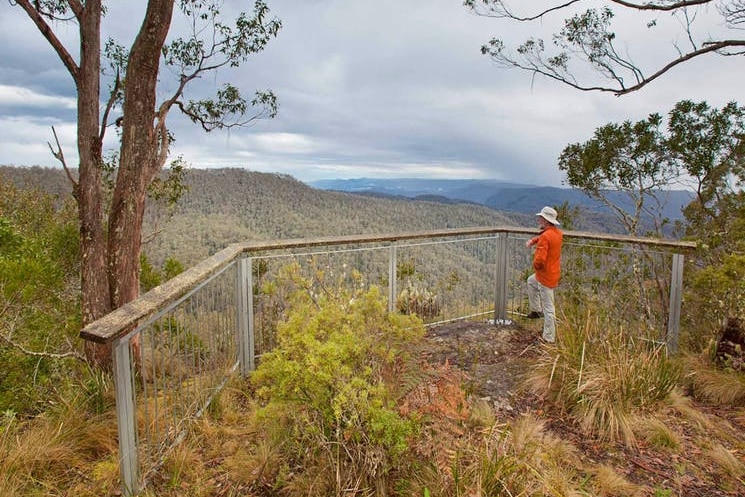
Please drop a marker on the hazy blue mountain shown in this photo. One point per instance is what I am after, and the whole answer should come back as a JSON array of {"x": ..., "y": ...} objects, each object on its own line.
[
  {"x": 499, "y": 195},
  {"x": 462, "y": 189}
]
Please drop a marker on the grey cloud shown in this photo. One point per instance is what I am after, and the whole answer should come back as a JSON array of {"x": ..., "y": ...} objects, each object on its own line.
[{"x": 384, "y": 88}]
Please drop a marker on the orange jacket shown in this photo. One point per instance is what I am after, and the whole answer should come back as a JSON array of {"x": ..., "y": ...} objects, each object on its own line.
[{"x": 547, "y": 257}]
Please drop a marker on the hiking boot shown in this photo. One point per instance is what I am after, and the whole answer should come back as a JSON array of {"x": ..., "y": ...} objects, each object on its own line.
[{"x": 534, "y": 315}]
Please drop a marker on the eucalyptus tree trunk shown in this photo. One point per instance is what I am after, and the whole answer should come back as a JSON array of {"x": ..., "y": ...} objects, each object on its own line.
[
  {"x": 143, "y": 152},
  {"x": 110, "y": 260},
  {"x": 88, "y": 190}
]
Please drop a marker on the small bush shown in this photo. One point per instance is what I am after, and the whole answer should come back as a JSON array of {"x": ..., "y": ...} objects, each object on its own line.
[
  {"x": 658, "y": 434},
  {"x": 326, "y": 384}
]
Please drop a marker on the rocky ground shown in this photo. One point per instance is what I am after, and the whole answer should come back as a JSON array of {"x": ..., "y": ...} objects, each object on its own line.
[{"x": 493, "y": 359}]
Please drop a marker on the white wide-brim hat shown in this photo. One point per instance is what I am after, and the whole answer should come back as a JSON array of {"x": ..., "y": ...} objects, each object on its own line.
[{"x": 549, "y": 214}]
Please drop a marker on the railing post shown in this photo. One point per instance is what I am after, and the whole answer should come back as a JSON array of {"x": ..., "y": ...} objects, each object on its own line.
[
  {"x": 392, "y": 279},
  {"x": 500, "y": 277},
  {"x": 676, "y": 298},
  {"x": 129, "y": 467},
  {"x": 245, "y": 318}
]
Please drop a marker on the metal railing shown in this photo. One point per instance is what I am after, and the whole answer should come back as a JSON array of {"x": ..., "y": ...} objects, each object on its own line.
[{"x": 176, "y": 346}]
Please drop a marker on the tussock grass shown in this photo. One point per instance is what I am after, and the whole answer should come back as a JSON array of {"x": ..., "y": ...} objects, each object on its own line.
[
  {"x": 481, "y": 415},
  {"x": 714, "y": 385},
  {"x": 608, "y": 483},
  {"x": 725, "y": 460},
  {"x": 243, "y": 447},
  {"x": 603, "y": 376},
  {"x": 38, "y": 456},
  {"x": 524, "y": 459},
  {"x": 658, "y": 434},
  {"x": 684, "y": 405}
]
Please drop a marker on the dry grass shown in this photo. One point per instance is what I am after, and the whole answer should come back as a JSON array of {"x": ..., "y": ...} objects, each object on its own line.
[
  {"x": 684, "y": 405},
  {"x": 714, "y": 385},
  {"x": 657, "y": 434},
  {"x": 608, "y": 483},
  {"x": 469, "y": 452},
  {"x": 603, "y": 376},
  {"x": 56, "y": 450},
  {"x": 524, "y": 459},
  {"x": 726, "y": 461}
]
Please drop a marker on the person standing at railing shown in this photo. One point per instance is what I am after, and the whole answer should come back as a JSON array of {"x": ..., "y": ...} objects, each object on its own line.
[{"x": 547, "y": 266}]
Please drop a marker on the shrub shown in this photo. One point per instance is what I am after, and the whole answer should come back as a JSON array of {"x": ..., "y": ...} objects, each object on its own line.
[
  {"x": 325, "y": 384},
  {"x": 39, "y": 321}
]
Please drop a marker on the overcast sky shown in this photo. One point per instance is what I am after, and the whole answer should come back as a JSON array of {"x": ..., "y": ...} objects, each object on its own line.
[{"x": 371, "y": 88}]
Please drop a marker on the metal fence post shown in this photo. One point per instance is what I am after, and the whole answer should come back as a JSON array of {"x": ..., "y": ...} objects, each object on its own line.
[
  {"x": 129, "y": 467},
  {"x": 245, "y": 318},
  {"x": 676, "y": 298},
  {"x": 500, "y": 277},
  {"x": 392, "y": 275}
]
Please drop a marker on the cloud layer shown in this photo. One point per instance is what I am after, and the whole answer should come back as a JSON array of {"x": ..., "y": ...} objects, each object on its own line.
[{"x": 378, "y": 89}]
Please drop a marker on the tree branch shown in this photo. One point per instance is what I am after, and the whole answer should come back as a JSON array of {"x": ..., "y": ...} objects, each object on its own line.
[
  {"x": 51, "y": 37},
  {"x": 659, "y": 7},
  {"x": 587, "y": 37},
  {"x": 539, "y": 65},
  {"x": 707, "y": 48},
  {"x": 59, "y": 155},
  {"x": 7, "y": 337},
  {"x": 110, "y": 105},
  {"x": 500, "y": 10},
  {"x": 47, "y": 355},
  {"x": 733, "y": 13}
]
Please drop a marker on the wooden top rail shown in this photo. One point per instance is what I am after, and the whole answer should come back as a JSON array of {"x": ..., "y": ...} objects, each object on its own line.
[{"x": 122, "y": 320}]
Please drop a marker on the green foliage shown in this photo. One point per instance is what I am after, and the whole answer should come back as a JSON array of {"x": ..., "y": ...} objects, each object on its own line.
[
  {"x": 703, "y": 144},
  {"x": 568, "y": 214},
  {"x": 150, "y": 276},
  {"x": 709, "y": 145},
  {"x": 38, "y": 280},
  {"x": 329, "y": 382},
  {"x": 719, "y": 288},
  {"x": 170, "y": 188},
  {"x": 170, "y": 334},
  {"x": 230, "y": 46},
  {"x": 630, "y": 158},
  {"x": 643, "y": 158}
]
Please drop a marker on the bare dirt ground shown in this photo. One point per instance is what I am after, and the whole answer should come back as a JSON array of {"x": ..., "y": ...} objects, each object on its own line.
[{"x": 493, "y": 359}]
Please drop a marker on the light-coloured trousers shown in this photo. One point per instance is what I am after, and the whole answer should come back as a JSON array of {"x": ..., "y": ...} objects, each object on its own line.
[{"x": 541, "y": 299}]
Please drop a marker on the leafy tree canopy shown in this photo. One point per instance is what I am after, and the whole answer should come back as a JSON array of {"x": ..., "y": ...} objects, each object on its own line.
[{"x": 697, "y": 147}]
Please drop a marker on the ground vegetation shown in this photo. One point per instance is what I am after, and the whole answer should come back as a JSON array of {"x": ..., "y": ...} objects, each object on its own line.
[{"x": 467, "y": 409}]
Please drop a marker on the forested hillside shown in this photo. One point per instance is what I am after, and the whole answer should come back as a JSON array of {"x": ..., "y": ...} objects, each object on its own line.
[
  {"x": 224, "y": 206},
  {"x": 230, "y": 205}
]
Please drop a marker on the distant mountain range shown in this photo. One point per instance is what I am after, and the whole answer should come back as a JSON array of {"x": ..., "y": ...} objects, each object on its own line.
[{"x": 499, "y": 195}]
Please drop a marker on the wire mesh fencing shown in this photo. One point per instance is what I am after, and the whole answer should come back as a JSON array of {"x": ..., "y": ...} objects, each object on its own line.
[{"x": 178, "y": 346}]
